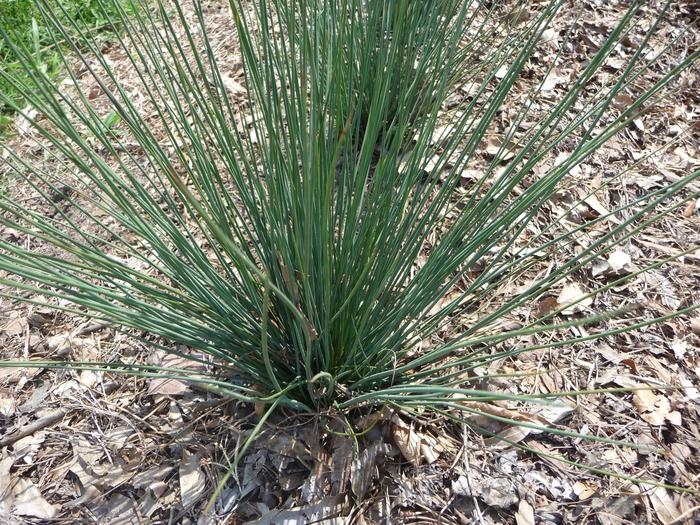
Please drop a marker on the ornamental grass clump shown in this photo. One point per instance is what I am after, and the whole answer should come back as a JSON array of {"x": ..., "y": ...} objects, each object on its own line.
[{"x": 304, "y": 239}]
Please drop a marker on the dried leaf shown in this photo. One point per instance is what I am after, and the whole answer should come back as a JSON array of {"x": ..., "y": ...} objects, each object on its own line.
[
  {"x": 26, "y": 447},
  {"x": 680, "y": 348},
  {"x": 407, "y": 439},
  {"x": 525, "y": 514},
  {"x": 232, "y": 85},
  {"x": 318, "y": 480},
  {"x": 117, "y": 509},
  {"x": 695, "y": 325},
  {"x": 662, "y": 502},
  {"x": 88, "y": 378},
  {"x": 549, "y": 37},
  {"x": 691, "y": 391},
  {"x": 167, "y": 387},
  {"x": 598, "y": 207},
  {"x": 5, "y": 481},
  {"x": 546, "y": 306},
  {"x": 644, "y": 400},
  {"x": 622, "y": 101},
  {"x": 363, "y": 468},
  {"x": 615, "y": 511},
  {"x": 662, "y": 286},
  {"x": 654, "y": 409},
  {"x": 494, "y": 147},
  {"x": 583, "y": 491},
  {"x": 62, "y": 344},
  {"x": 15, "y": 326},
  {"x": 23, "y": 124},
  {"x": 496, "y": 492},
  {"x": 8, "y": 406},
  {"x": 28, "y": 501},
  {"x": 288, "y": 445},
  {"x": 573, "y": 299},
  {"x": 690, "y": 209},
  {"x": 341, "y": 462},
  {"x": 620, "y": 261},
  {"x": 152, "y": 477},
  {"x": 513, "y": 433},
  {"x": 323, "y": 511},
  {"x": 442, "y": 134},
  {"x": 549, "y": 454},
  {"x": 554, "y": 412},
  {"x": 36, "y": 399},
  {"x": 172, "y": 387},
  {"x": 192, "y": 480},
  {"x": 430, "y": 449},
  {"x": 599, "y": 267}
]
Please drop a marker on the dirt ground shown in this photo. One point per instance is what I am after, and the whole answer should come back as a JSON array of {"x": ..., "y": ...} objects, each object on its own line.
[{"x": 91, "y": 447}]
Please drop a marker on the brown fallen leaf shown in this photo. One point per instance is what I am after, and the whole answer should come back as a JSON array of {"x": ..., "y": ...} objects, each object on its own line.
[
  {"x": 15, "y": 326},
  {"x": 326, "y": 510},
  {"x": 62, "y": 344},
  {"x": 525, "y": 514},
  {"x": 28, "y": 501},
  {"x": 494, "y": 147},
  {"x": 695, "y": 325},
  {"x": 546, "y": 306},
  {"x": 512, "y": 433},
  {"x": 363, "y": 470},
  {"x": 232, "y": 84},
  {"x": 644, "y": 400},
  {"x": 407, "y": 439},
  {"x": 622, "y": 102},
  {"x": 583, "y": 491},
  {"x": 494, "y": 491},
  {"x": 655, "y": 409},
  {"x": 341, "y": 461},
  {"x": 26, "y": 447},
  {"x": 18, "y": 375},
  {"x": 5, "y": 484},
  {"x": 88, "y": 378},
  {"x": 167, "y": 387},
  {"x": 172, "y": 387},
  {"x": 430, "y": 449},
  {"x": 629, "y": 362},
  {"x": 8, "y": 406},
  {"x": 549, "y": 455},
  {"x": 620, "y": 261},
  {"x": 573, "y": 299},
  {"x": 615, "y": 511},
  {"x": 192, "y": 480},
  {"x": 594, "y": 203},
  {"x": 662, "y": 502}
]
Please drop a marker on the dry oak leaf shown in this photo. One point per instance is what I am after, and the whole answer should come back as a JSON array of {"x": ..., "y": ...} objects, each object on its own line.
[
  {"x": 28, "y": 501},
  {"x": 695, "y": 325},
  {"x": 15, "y": 326},
  {"x": 20, "y": 497},
  {"x": 525, "y": 514},
  {"x": 620, "y": 261},
  {"x": 513, "y": 433},
  {"x": 192, "y": 480},
  {"x": 413, "y": 446},
  {"x": 654, "y": 409},
  {"x": 662, "y": 502},
  {"x": 573, "y": 298}
]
